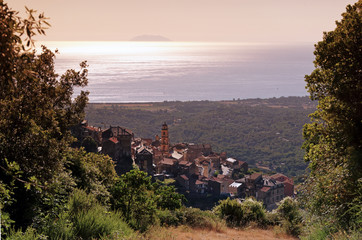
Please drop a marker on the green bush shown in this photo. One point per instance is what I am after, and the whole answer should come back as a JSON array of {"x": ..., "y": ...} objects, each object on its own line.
[
  {"x": 230, "y": 210},
  {"x": 168, "y": 217},
  {"x": 59, "y": 228},
  {"x": 240, "y": 214},
  {"x": 91, "y": 220},
  {"x": 197, "y": 218},
  {"x": 29, "y": 234},
  {"x": 85, "y": 218},
  {"x": 290, "y": 216}
]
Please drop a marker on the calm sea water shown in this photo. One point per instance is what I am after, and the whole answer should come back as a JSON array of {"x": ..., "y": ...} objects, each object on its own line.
[{"x": 159, "y": 71}]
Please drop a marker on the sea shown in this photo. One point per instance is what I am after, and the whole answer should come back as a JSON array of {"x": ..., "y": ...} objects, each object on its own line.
[{"x": 121, "y": 72}]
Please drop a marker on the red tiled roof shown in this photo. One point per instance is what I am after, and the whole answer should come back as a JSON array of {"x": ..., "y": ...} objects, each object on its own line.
[
  {"x": 168, "y": 161},
  {"x": 113, "y": 139},
  {"x": 265, "y": 189},
  {"x": 92, "y": 128},
  {"x": 198, "y": 182},
  {"x": 255, "y": 176},
  {"x": 184, "y": 177},
  {"x": 183, "y": 162},
  {"x": 281, "y": 177}
]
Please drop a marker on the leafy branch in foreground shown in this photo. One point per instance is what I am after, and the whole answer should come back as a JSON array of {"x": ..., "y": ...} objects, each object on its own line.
[{"x": 37, "y": 111}]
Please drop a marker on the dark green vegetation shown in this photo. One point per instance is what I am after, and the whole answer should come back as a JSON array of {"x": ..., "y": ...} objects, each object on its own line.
[
  {"x": 258, "y": 131},
  {"x": 287, "y": 215},
  {"x": 334, "y": 139}
]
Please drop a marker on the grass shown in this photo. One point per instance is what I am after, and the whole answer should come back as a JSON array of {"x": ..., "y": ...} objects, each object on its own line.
[{"x": 186, "y": 232}]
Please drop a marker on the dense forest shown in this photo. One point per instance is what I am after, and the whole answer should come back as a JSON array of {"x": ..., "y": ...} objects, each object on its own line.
[{"x": 267, "y": 132}]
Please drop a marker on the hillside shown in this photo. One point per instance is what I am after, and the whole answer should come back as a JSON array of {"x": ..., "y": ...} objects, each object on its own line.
[{"x": 263, "y": 132}]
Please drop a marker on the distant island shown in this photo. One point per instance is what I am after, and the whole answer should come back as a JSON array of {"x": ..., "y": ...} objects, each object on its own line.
[{"x": 150, "y": 38}]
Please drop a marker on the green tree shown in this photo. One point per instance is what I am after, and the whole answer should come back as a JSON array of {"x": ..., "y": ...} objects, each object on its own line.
[
  {"x": 89, "y": 144},
  {"x": 133, "y": 195},
  {"x": 37, "y": 111},
  {"x": 166, "y": 197},
  {"x": 94, "y": 173},
  {"x": 333, "y": 141},
  {"x": 138, "y": 198}
]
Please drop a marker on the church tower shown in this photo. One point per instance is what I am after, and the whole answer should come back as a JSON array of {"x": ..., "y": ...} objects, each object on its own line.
[{"x": 164, "y": 139}]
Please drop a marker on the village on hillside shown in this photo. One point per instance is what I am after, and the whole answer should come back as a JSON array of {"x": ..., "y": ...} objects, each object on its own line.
[{"x": 197, "y": 170}]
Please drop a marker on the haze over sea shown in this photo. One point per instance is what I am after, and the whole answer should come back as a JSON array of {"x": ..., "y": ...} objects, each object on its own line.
[{"x": 168, "y": 71}]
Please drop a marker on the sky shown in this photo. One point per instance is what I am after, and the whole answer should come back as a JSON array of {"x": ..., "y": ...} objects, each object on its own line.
[{"x": 188, "y": 20}]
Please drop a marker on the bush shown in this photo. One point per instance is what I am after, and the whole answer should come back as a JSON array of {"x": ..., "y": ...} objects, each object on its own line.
[
  {"x": 197, "y": 218},
  {"x": 60, "y": 228},
  {"x": 291, "y": 218},
  {"x": 168, "y": 218},
  {"x": 91, "y": 220},
  {"x": 85, "y": 218},
  {"x": 240, "y": 214},
  {"x": 29, "y": 234}
]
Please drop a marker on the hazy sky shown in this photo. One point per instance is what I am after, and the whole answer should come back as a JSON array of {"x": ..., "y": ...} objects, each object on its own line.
[{"x": 188, "y": 20}]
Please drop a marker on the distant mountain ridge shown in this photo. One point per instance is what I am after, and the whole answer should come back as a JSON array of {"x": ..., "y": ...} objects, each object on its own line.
[{"x": 150, "y": 38}]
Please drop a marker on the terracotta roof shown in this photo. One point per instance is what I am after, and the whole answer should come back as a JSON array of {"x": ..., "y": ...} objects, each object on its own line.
[
  {"x": 255, "y": 176},
  {"x": 183, "y": 162},
  {"x": 216, "y": 180},
  {"x": 265, "y": 189},
  {"x": 241, "y": 162},
  {"x": 184, "y": 177},
  {"x": 168, "y": 161},
  {"x": 198, "y": 182},
  {"x": 92, "y": 128},
  {"x": 281, "y": 177},
  {"x": 148, "y": 141},
  {"x": 113, "y": 139}
]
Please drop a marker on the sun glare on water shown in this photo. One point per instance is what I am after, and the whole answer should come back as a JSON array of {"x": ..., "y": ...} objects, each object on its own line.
[
  {"x": 116, "y": 48},
  {"x": 127, "y": 48}
]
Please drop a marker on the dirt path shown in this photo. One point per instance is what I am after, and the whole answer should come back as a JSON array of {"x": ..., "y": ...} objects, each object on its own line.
[{"x": 185, "y": 233}]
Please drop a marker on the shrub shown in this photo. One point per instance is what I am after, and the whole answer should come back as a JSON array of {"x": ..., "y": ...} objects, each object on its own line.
[
  {"x": 253, "y": 211},
  {"x": 29, "y": 234},
  {"x": 97, "y": 223},
  {"x": 168, "y": 218},
  {"x": 59, "y": 228},
  {"x": 230, "y": 210},
  {"x": 291, "y": 218},
  {"x": 240, "y": 214},
  {"x": 86, "y": 218},
  {"x": 197, "y": 218}
]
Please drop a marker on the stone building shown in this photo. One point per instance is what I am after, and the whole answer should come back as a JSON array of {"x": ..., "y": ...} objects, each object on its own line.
[
  {"x": 117, "y": 143},
  {"x": 144, "y": 159}
]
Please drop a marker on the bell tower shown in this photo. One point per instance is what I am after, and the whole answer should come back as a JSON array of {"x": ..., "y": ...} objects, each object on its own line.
[{"x": 164, "y": 139}]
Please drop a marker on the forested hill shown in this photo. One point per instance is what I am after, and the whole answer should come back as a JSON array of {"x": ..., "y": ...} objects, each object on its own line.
[{"x": 258, "y": 131}]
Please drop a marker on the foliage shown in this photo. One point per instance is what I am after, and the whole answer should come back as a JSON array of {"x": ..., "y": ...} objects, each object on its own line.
[
  {"x": 89, "y": 145},
  {"x": 166, "y": 197},
  {"x": 241, "y": 214},
  {"x": 92, "y": 172},
  {"x": 83, "y": 217},
  {"x": 37, "y": 110},
  {"x": 133, "y": 196},
  {"x": 29, "y": 234},
  {"x": 333, "y": 141},
  {"x": 290, "y": 215},
  {"x": 139, "y": 200},
  {"x": 92, "y": 220},
  {"x": 196, "y": 218}
]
